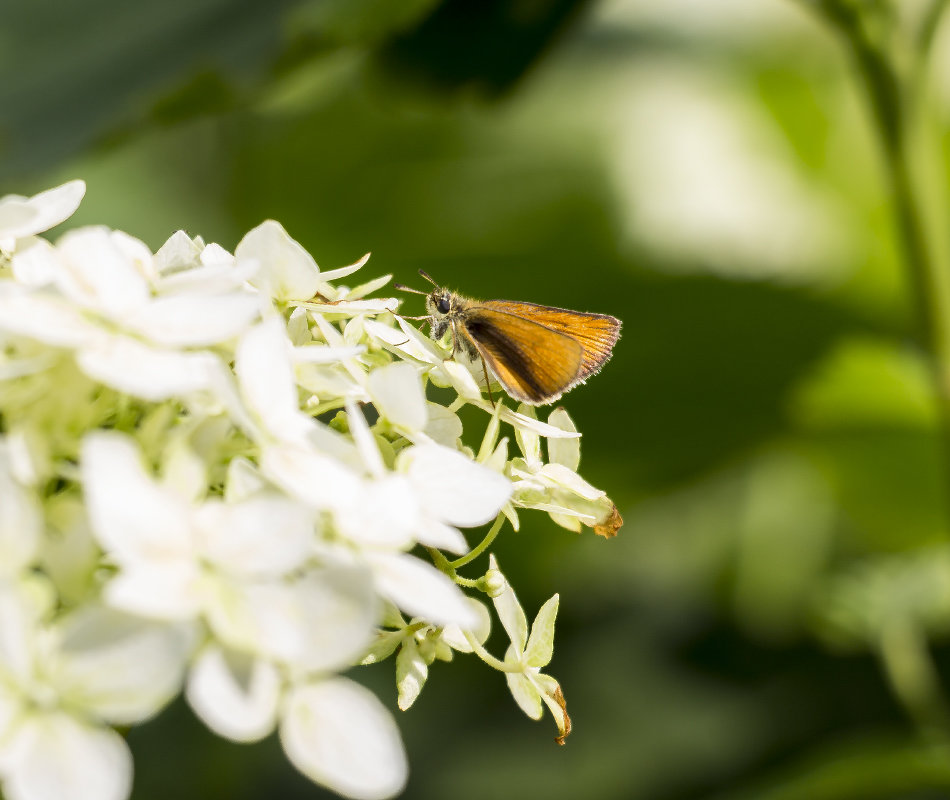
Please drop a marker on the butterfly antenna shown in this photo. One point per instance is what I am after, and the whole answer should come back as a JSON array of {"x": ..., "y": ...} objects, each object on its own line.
[
  {"x": 428, "y": 277},
  {"x": 403, "y": 288}
]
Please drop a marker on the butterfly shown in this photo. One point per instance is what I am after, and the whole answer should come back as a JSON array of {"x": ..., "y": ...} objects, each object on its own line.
[{"x": 536, "y": 352}]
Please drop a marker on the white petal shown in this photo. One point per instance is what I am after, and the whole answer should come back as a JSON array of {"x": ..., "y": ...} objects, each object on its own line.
[
  {"x": 454, "y": 488},
  {"x": 528, "y": 439},
  {"x": 214, "y": 278},
  {"x": 215, "y": 255},
  {"x": 338, "y": 734},
  {"x": 235, "y": 695},
  {"x": 16, "y": 216},
  {"x": 180, "y": 252},
  {"x": 322, "y": 621},
  {"x": 459, "y": 377},
  {"x": 453, "y": 636},
  {"x": 385, "y": 513},
  {"x": 525, "y": 693},
  {"x": 267, "y": 535},
  {"x": 147, "y": 372},
  {"x": 19, "y": 621},
  {"x": 21, "y": 217},
  {"x": 366, "y": 288},
  {"x": 324, "y": 439},
  {"x": 331, "y": 381},
  {"x": 353, "y": 306},
  {"x": 97, "y": 273},
  {"x": 396, "y": 390},
  {"x": 132, "y": 515},
  {"x": 321, "y": 354},
  {"x": 342, "y": 272},
  {"x": 60, "y": 758},
  {"x": 566, "y": 452},
  {"x": 244, "y": 479},
  {"x": 266, "y": 377},
  {"x": 288, "y": 271},
  {"x": 411, "y": 674},
  {"x": 510, "y": 613},
  {"x": 550, "y": 691},
  {"x": 298, "y": 329},
  {"x": 258, "y": 618},
  {"x": 437, "y": 534},
  {"x": 28, "y": 454},
  {"x": 35, "y": 262},
  {"x": 338, "y": 612},
  {"x": 46, "y": 319},
  {"x": 313, "y": 478},
  {"x": 444, "y": 426},
  {"x": 420, "y": 589},
  {"x": 407, "y": 341},
  {"x": 117, "y": 666},
  {"x": 524, "y": 422},
  {"x": 184, "y": 472},
  {"x": 566, "y": 517},
  {"x": 137, "y": 252},
  {"x": 571, "y": 480},
  {"x": 166, "y": 591},
  {"x": 194, "y": 321},
  {"x": 20, "y": 520},
  {"x": 13, "y": 706},
  {"x": 540, "y": 645},
  {"x": 70, "y": 555},
  {"x": 364, "y": 440},
  {"x": 223, "y": 388}
]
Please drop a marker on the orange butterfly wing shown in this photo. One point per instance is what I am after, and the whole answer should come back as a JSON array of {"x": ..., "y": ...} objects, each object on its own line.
[
  {"x": 534, "y": 363},
  {"x": 596, "y": 333}
]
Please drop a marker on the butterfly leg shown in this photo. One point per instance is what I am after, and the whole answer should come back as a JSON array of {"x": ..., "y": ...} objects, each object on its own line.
[
  {"x": 488, "y": 384},
  {"x": 455, "y": 341}
]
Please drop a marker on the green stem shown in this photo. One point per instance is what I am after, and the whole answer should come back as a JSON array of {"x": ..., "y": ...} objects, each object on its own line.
[
  {"x": 895, "y": 107},
  {"x": 442, "y": 563},
  {"x": 482, "y": 546},
  {"x": 450, "y": 567},
  {"x": 895, "y": 81},
  {"x": 488, "y": 658}
]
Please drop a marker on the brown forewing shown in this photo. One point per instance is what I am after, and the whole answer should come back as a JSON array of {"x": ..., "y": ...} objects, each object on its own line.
[
  {"x": 535, "y": 363},
  {"x": 596, "y": 333}
]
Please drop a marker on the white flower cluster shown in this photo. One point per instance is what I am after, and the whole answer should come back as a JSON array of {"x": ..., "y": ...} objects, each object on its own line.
[{"x": 217, "y": 475}]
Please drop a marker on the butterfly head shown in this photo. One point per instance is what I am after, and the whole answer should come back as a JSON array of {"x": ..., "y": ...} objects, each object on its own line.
[
  {"x": 441, "y": 303},
  {"x": 443, "y": 306}
]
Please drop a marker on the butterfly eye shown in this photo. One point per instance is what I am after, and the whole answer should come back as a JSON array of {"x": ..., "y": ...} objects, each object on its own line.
[{"x": 442, "y": 304}]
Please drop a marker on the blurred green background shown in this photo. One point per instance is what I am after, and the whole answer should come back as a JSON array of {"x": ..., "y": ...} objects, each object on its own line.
[{"x": 771, "y": 623}]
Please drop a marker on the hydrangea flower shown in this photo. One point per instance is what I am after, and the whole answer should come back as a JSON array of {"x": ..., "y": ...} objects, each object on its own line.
[{"x": 223, "y": 475}]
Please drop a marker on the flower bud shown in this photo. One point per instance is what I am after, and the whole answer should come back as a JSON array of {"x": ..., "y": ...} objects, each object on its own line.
[{"x": 494, "y": 582}]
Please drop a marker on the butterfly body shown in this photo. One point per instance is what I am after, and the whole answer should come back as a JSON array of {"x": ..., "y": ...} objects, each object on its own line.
[{"x": 535, "y": 352}]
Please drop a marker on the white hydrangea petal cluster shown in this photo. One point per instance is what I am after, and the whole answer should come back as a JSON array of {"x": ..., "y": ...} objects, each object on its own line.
[{"x": 223, "y": 475}]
